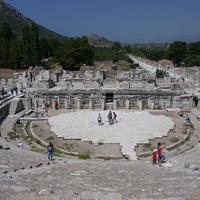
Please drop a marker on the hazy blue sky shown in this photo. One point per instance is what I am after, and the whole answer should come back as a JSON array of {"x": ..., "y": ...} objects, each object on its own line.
[{"x": 117, "y": 20}]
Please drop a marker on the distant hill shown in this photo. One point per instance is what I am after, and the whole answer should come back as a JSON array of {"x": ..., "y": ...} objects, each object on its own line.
[
  {"x": 16, "y": 20},
  {"x": 98, "y": 41}
]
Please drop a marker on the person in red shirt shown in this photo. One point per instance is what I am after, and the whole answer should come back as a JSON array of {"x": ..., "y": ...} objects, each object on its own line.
[
  {"x": 161, "y": 156},
  {"x": 154, "y": 156}
]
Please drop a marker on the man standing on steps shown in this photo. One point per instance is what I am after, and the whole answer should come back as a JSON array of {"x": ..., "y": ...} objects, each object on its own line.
[
  {"x": 161, "y": 156},
  {"x": 50, "y": 149}
]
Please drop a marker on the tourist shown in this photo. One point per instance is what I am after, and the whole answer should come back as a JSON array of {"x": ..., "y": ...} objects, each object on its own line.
[
  {"x": 114, "y": 118},
  {"x": 161, "y": 156},
  {"x": 24, "y": 90},
  {"x": 12, "y": 91},
  {"x": 154, "y": 156},
  {"x": 50, "y": 149},
  {"x": 21, "y": 89},
  {"x": 110, "y": 117},
  {"x": 42, "y": 113},
  {"x": 99, "y": 119},
  {"x": 46, "y": 110},
  {"x": 56, "y": 105},
  {"x": 3, "y": 92},
  {"x": 187, "y": 120},
  {"x": 21, "y": 145},
  {"x": 6, "y": 138},
  {"x": 16, "y": 90}
]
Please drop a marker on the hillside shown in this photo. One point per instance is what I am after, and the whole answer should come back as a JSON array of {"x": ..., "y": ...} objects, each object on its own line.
[
  {"x": 98, "y": 41},
  {"x": 16, "y": 20}
]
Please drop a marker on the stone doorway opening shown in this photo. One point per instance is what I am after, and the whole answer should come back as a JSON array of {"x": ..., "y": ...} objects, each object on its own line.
[
  {"x": 195, "y": 99},
  {"x": 109, "y": 97},
  {"x": 109, "y": 101}
]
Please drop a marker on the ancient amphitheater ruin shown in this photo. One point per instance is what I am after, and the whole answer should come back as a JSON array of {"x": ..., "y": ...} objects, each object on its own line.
[{"x": 92, "y": 161}]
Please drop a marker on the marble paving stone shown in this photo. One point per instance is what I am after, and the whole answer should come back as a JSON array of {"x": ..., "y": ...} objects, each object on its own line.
[{"x": 132, "y": 127}]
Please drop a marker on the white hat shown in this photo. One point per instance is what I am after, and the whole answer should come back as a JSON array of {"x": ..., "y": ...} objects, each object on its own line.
[{"x": 155, "y": 150}]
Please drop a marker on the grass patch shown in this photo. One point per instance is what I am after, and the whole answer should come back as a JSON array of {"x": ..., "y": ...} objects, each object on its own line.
[
  {"x": 84, "y": 156},
  {"x": 123, "y": 65},
  {"x": 34, "y": 126},
  {"x": 50, "y": 138},
  {"x": 12, "y": 135},
  {"x": 100, "y": 143},
  {"x": 174, "y": 139},
  {"x": 37, "y": 141},
  {"x": 185, "y": 132},
  {"x": 147, "y": 145}
]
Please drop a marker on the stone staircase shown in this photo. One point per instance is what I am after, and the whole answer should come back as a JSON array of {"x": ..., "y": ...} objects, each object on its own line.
[
  {"x": 95, "y": 179},
  {"x": 16, "y": 105}
]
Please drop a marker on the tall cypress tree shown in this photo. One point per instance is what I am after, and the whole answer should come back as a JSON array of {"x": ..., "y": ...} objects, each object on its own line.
[
  {"x": 26, "y": 44},
  {"x": 34, "y": 43},
  {"x": 6, "y": 37},
  {"x": 31, "y": 45}
]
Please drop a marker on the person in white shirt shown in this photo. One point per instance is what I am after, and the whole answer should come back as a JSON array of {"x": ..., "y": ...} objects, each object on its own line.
[
  {"x": 99, "y": 119},
  {"x": 21, "y": 145}
]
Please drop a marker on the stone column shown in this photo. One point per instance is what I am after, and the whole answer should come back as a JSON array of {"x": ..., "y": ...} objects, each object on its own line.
[
  {"x": 70, "y": 100},
  {"x": 67, "y": 102},
  {"x": 90, "y": 102},
  {"x": 162, "y": 104},
  {"x": 79, "y": 103},
  {"x": 114, "y": 103},
  {"x": 149, "y": 101},
  {"x": 48, "y": 101},
  {"x": 36, "y": 102},
  {"x": 53, "y": 104},
  {"x": 138, "y": 100},
  {"x": 140, "y": 104},
  {"x": 103, "y": 103},
  {"x": 152, "y": 105},
  {"x": 127, "y": 103},
  {"x": 29, "y": 103}
]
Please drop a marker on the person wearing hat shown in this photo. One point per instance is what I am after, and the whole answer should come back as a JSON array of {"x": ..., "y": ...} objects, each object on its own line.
[
  {"x": 21, "y": 145},
  {"x": 154, "y": 156}
]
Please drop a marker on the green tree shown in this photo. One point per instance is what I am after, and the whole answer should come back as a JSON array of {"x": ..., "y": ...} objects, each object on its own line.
[
  {"x": 48, "y": 46},
  {"x": 31, "y": 45},
  {"x": 26, "y": 39},
  {"x": 161, "y": 73},
  {"x": 193, "y": 56},
  {"x": 74, "y": 53},
  {"x": 6, "y": 32},
  {"x": 4, "y": 52},
  {"x": 34, "y": 43},
  {"x": 177, "y": 52},
  {"x": 127, "y": 49},
  {"x": 116, "y": 46},
  {"x": 16, "y": 54}
]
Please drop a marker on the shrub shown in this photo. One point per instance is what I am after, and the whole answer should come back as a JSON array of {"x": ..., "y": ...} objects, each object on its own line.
[
  {"x": 12, "y": 135},
  {"x": 50, "y": 138},
  {"x": 84, "y": 156}
]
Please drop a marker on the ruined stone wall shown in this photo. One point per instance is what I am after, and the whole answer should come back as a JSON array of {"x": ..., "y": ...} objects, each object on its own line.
[{"x": 4, "y": 110}]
